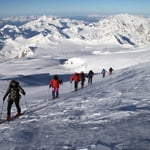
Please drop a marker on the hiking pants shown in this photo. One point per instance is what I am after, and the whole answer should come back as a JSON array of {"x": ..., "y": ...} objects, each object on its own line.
[
  {"x": 76, "y": 85},
  {"x": 10, "y": 102},
  {"x": 82, "y": 83},
  {"x": 90, "y": 80},
  {"x": 55, "y": 92},
  {"x": 103, "y": 75}
]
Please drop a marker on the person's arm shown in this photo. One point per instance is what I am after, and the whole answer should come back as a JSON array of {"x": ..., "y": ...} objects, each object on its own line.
[
  {"x": 6, "y": 94},
  {"x": 22, "y": 90}
]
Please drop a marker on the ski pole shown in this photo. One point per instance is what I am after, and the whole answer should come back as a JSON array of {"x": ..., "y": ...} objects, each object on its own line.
[
  {"x": 71, "y": 85},
  {"x": 2, "y": 110},
  {"x": 48, "y": 94},
  {"x": 26, "y": 102}
]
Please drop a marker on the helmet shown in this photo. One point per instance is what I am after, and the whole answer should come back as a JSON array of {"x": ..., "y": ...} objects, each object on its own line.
[{"x": 55, "y": 77}]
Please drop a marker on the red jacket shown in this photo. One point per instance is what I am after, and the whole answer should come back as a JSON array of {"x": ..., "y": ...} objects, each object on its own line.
[
  {"x": 75, "y": 77},
  {"x": 54, "y": 83}
]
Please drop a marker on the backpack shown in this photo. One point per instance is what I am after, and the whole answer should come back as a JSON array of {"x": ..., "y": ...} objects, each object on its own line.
[
  {"x": 90, "y": 74},
  {"x": 82, "y": 76},
  {"x": 14, "y": 90}
]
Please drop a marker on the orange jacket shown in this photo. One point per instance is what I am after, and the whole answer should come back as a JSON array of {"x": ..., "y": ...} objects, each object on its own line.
[
  {"x": 75, "y": 77},
  {"x": 54, "y": 83}
]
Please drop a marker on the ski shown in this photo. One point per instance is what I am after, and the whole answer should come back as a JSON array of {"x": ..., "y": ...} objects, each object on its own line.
[
  {"x": 51, "y": 99},
  {"x": 12, "y": 118}
]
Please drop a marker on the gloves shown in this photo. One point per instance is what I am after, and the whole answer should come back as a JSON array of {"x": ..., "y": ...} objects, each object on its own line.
[
  {"x": 3, "y": 99},
  {"x": 23, "y": 92},
  {"x": 60, "y": 81},
  {"x": 50, "y": 86},
  {"x": 70, "y": 81}
]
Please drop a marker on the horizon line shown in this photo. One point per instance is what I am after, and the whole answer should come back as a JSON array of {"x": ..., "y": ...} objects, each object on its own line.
[{"x": 73, "y": 15}]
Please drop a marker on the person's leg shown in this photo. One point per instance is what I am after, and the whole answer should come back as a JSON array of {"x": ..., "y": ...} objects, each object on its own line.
[
  {"x": 76, "y": 86},
  {"x": 10, "y": 102},
  {"x": 90, "y": 80},
  {"x": 18, "y": 107},
  {"x": 82, "y": 84},
  {"x": 103, "y": 75},
  {"x": 53, "y": 92},
  {"x": 57, "y": 92}
]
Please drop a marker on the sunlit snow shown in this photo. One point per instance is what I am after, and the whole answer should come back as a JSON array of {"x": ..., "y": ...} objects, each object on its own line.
[{"x": 110, "y": 114}]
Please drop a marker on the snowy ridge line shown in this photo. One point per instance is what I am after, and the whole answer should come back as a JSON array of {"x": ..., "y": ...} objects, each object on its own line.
[
  {"x": 110, "y": 114},
  {"x": 21, "y": 41}
]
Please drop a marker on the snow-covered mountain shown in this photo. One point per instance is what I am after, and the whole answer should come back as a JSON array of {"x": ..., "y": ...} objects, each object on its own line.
[
  {"x": 110, "y": 114},
  {"x": 126, "y": 30}
]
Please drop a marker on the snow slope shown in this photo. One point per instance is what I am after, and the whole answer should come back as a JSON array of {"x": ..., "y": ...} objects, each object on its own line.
[{"x": 110, "y": 114}]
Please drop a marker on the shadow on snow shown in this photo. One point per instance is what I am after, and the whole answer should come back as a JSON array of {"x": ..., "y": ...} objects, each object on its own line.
[{"x": 38, "y": 79}]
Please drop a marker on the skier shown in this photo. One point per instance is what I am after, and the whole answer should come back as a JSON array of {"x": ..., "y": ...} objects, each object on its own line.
[
  {"x": 13, "y": 93},
  {"x": 76, "y": 79},
  {"x": 90, "y": 76},
  {"x": 110, "y": 70},
  {"x": 82, "y": 78},
  {"x": 54, "y": 83},
  {"x": 103, "y": 73}
]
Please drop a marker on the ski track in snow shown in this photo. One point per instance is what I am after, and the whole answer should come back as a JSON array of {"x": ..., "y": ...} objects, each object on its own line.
[{"x": 110, "y": 114}]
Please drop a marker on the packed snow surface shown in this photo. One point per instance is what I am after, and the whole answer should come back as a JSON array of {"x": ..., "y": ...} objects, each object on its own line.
[{"x": 112, "y": 113}]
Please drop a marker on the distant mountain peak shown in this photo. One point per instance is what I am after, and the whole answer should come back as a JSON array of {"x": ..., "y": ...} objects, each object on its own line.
[{"x": 121, "y": 29}]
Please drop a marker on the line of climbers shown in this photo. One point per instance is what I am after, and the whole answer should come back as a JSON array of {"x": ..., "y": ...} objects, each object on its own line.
[
  {"x": 104, "y": 71},
  {"x": 76, "y": 78},
  {"x": 14, "y": 90}
]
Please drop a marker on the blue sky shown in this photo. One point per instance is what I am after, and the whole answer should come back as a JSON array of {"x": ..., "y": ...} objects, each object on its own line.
[{"x": 73, "y": 7}]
